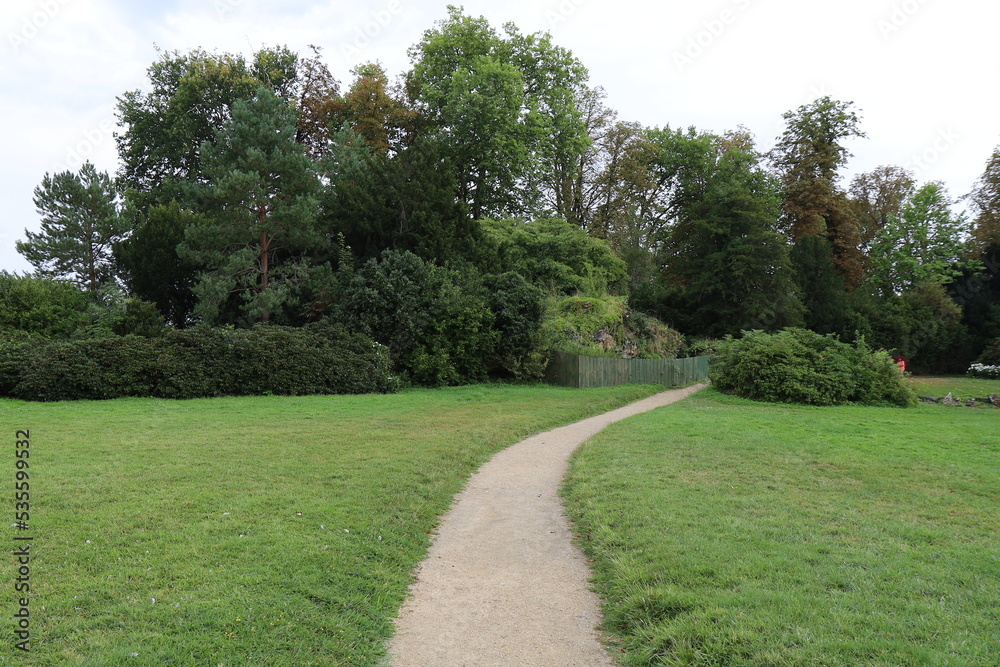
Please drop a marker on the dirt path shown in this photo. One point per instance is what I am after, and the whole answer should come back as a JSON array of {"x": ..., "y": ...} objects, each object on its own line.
[{"x": 503, "y": 583}]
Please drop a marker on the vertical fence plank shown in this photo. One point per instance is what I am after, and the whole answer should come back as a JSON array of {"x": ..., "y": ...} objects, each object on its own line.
[{"x": 574, "y": 370}]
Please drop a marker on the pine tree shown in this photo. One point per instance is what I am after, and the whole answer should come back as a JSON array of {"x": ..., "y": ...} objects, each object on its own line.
[
  {"x": 80, "y": 224},
  {"x": 261, "y": 224}
]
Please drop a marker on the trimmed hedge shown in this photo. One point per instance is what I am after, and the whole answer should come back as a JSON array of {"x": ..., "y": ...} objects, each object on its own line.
[
  {"x": 801, "y": 366},
  {"x": 197, "y": 363}
]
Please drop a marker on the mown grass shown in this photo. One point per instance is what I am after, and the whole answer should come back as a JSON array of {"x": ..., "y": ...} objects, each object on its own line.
[
  {"x": 961, "y": 386},
  {"x": 727, "y": 532},
  {"x": 262, "y": 531}
]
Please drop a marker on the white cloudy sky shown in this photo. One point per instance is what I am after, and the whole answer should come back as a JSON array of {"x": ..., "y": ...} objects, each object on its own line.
[{"x": 921, "y": 72}]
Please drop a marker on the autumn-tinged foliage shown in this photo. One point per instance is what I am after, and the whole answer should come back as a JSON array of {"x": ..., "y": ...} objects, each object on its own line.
[{"x": 489, "y": 178}]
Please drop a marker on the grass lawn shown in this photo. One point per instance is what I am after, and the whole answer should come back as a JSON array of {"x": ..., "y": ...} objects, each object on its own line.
[
  {"x": 247, "y": 531},
  {"x": 961, "y": 386},
  {"x": 727, "y": 532}
]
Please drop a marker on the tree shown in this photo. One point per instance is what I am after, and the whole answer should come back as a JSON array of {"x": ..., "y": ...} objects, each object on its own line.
[
  {"x": 552, "y": 254},
  {"x": 808, "y": 155},
  {"x": 503, "y": 110},
  {"x": 378, "y": 112},
  {"x": 261, "y": 227},
  {"x": 80, "y": 223},
  {"x": 724, "y": 257},
  {"x": 985, "y": 198},
  {"x": 878, "y": 196},
  {"x": 403, "y": 201},
  {"x": 924, "y": 243},
  {"x": 150, "y": 267}
]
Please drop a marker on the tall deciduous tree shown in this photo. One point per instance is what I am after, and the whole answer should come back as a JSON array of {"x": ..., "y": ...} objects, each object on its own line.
[
  {"x": 262, "y": 225},
  {"x": 985, "y": 198},
  {"x": 808, "y": 156},
  {"x": 80, "y": 224},
  {"x": 925, "y": 243},
  {"x": 503, "y": 110},
  {"x": 878, "y": 196}
]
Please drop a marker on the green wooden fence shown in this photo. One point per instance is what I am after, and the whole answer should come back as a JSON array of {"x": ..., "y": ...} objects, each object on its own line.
[{"x": 574, "y": 370}]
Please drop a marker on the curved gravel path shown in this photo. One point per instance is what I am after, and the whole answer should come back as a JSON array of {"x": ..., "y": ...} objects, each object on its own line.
[{"x": 503, "y": 584}]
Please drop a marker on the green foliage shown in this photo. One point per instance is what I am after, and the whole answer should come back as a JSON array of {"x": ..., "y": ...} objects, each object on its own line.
[
  {"x": 48, "y": 308},
  {"x": 724, "y": 257},
  {"x": 925, "y": 243},
  {"x": 80, "y": 225},
  {"x": 553, "y": 254},
  {"x": 150, "y": 267},
  {"x": 198, "y": 362},
  {"x": 800, "y": 366},
  {"x": 405, "y": 201},
  {"x": 991, "y": 355},
  {"x": 504, "y": 110},
  {"x": 605, "y": 326},
  {"x": 925, "y": 325},
  {"x": 435, "y": 321},
  {"x": 262, "y": 191},
  {"x": 517, "y": 308}
]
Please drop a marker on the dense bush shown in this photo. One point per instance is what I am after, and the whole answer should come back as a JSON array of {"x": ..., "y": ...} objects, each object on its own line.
[
  {"x": 444, "y": 326},
  {"x": 554, "y": 254},
  {"x": 800, "y": 366},
  {"x": 49, "y": 308},
  {"x": 606, "y": 326},
  {"x": 198, "y": 362}
]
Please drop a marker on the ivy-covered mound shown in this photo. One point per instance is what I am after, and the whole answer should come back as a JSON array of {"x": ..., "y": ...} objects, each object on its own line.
[
  {"x": 800, "y": 366},
  {"x": 196, "y": 363},
  {"x": 606, "y": 327}
]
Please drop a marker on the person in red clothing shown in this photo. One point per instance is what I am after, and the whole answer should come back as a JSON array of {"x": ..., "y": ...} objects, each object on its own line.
[{"x": 900, "y": 362}]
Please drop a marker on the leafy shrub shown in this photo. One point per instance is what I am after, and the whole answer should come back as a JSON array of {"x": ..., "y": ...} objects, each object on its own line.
[
  {"x": 606, "y": 327},
  {"x": 555, "y": 255},
  {"x": 800, "y": 366},
  {"x": 49, "y": 308},
  {"x": 984, "y": 371},
  {"x": 199, "y": 362},
  {"x": 435, "y": 321},
  {"x": 517, "y": 308}
]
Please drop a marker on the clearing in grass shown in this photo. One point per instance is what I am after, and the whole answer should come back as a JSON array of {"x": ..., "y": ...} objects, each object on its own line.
[
  {"x": 728, "y": 532},
  {"x": 263, "y": 530}
]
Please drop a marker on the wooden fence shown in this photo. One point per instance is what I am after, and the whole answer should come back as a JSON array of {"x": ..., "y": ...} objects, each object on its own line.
[{"x": 574, "y": 370}]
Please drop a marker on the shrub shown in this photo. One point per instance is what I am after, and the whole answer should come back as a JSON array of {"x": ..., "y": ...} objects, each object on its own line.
[
  {"x": 604, "y": 326},
  {"x": 199, "y": 362},
  {"x": 984, "y": 371},
  {"x": 49, "y": 308},
  {"x": 800, "y": 366},
  {"x": 435, "y": 321}
]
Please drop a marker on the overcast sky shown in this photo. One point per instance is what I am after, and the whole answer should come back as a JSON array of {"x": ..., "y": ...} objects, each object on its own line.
[{"x": 922, "y": 73}]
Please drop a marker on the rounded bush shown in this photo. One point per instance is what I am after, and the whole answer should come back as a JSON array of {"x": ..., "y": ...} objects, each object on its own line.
[{"x": 801, "y": 366}]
